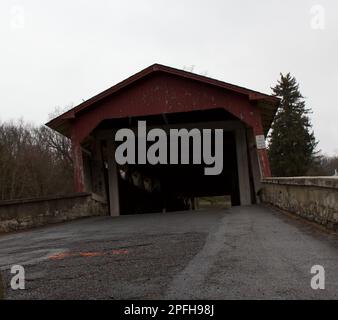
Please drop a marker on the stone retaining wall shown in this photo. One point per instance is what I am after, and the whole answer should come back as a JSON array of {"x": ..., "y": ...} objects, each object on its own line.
[
  {"x": 314, "y": 198},
  {"x": 29, "y": 213}
]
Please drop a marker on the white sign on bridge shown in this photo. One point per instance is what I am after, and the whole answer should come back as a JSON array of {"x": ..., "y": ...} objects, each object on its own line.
[{"x": 260, "y": 142}]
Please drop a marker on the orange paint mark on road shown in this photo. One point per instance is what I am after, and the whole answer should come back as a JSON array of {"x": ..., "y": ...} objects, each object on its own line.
[
  {"x": 63, "y": 255},
  {"x": 59, "y": 256}
]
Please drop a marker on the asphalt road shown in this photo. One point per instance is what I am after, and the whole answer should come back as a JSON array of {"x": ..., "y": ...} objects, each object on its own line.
[{"x": 242, "y": 253}]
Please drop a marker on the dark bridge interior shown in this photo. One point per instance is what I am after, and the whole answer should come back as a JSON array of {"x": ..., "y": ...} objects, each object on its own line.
[{"x": 180, "y": 183}]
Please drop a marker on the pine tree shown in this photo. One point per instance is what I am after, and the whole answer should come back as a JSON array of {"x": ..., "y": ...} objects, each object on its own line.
[{"x": 292, "y": 141}]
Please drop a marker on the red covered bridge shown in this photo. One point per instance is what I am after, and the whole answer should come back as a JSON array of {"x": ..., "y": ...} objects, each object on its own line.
[{"x": 166, "y": 97}]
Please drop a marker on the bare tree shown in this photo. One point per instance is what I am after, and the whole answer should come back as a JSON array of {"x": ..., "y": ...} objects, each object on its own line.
[{"x": 34, "y": 161}]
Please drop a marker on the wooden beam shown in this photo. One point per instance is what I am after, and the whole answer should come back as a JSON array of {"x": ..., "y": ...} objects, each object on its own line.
[{"x": 113, "y": 182}]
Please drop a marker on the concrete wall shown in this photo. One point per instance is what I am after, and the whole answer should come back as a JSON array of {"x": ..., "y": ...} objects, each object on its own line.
[
  {"x": 29, "y": 213},
  {"x": 314, "y": 198}
]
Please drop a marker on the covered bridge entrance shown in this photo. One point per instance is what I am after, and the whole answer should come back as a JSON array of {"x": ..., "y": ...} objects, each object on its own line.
[{"x": 169, "y": 98}]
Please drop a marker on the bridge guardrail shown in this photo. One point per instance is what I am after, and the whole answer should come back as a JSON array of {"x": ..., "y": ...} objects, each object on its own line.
[{"x": 314, "y": 198}]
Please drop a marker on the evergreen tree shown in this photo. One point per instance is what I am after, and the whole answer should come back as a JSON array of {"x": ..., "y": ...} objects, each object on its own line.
[{"x": 292, "y": 141}]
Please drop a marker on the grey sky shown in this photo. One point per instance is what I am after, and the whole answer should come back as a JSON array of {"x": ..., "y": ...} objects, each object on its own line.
[{"x": 56, "y": 53}]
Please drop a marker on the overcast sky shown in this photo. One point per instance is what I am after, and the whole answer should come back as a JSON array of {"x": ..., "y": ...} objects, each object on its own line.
[{"x": 56, "y": 53}]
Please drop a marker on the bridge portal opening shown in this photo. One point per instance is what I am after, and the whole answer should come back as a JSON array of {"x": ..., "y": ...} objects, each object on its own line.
[{"x": 146, "y": 188}]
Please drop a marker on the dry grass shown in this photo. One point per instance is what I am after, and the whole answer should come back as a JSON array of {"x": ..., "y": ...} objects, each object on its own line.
[{"x": 219, "y": 202}]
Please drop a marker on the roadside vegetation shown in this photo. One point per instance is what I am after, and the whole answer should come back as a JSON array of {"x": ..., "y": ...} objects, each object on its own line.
[
  {"x": 292, "y": 148},
  {"x": 34, "y": 162},
  {"x": 292, "y": 142}
]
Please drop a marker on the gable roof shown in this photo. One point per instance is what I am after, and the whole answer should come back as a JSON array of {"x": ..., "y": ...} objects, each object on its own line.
[{"x": 268, "y": 102}]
